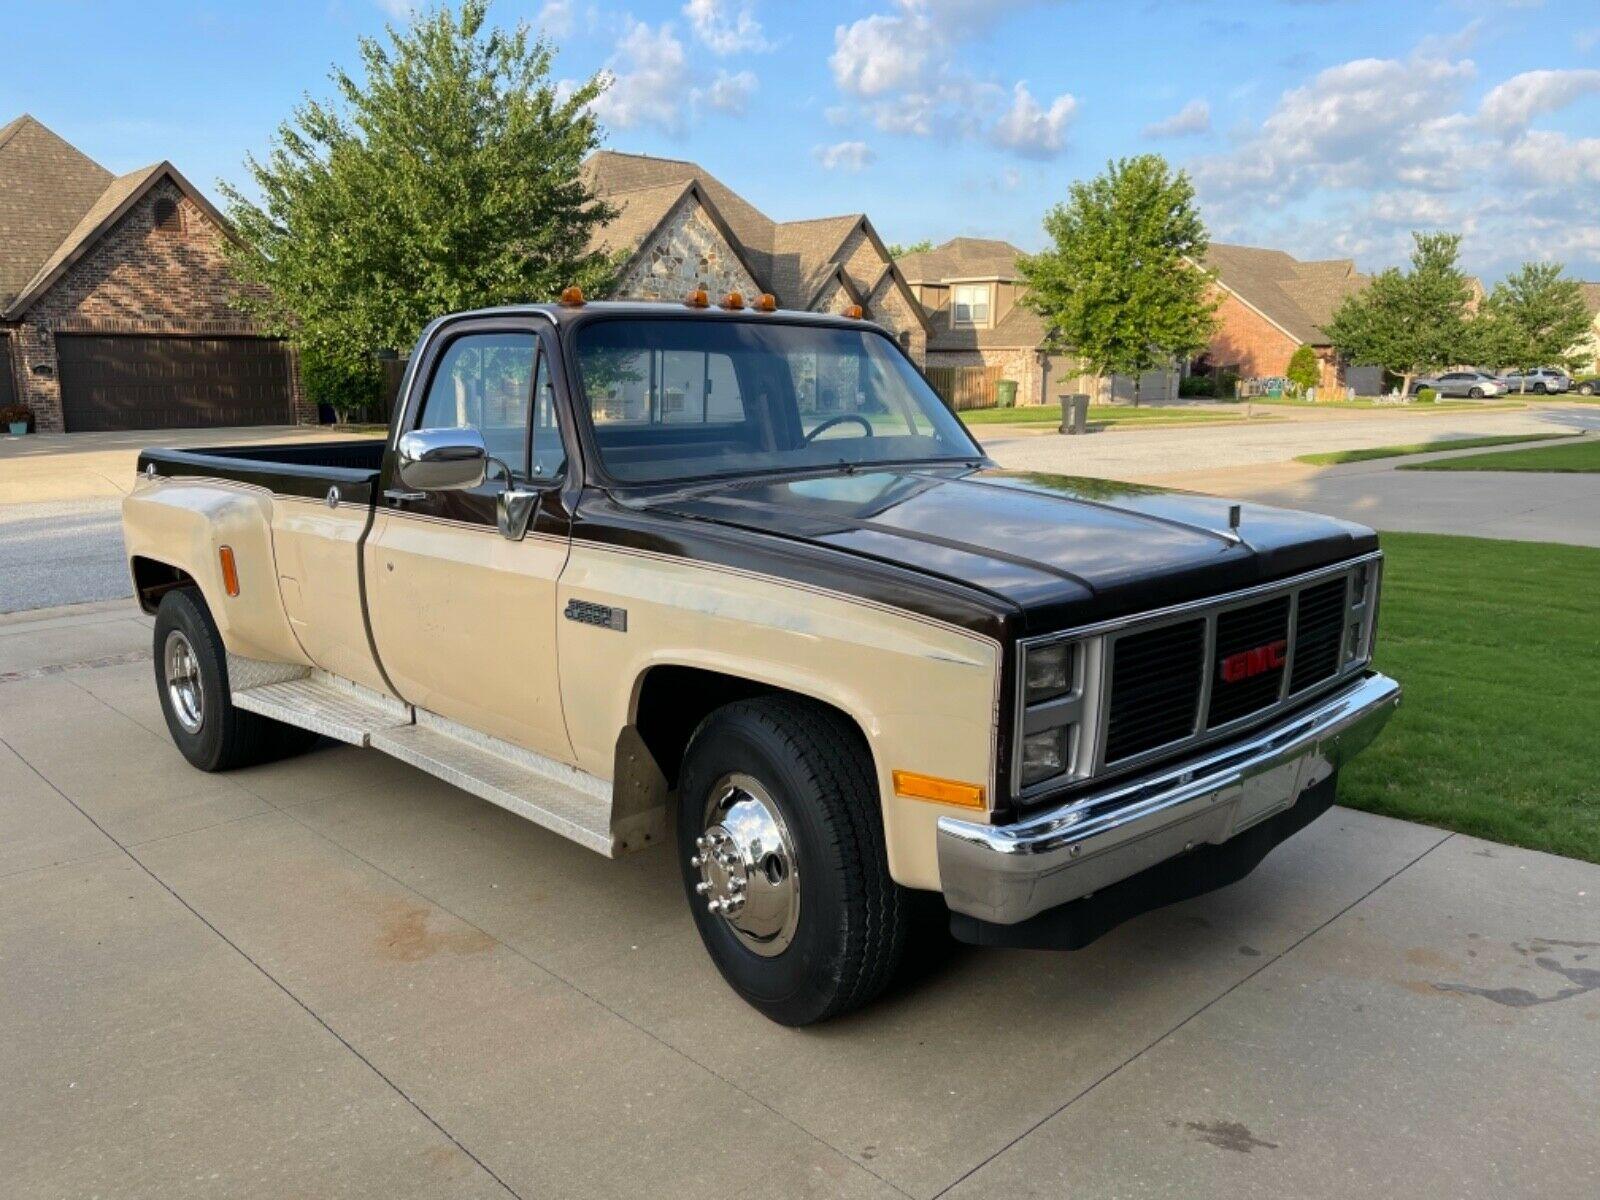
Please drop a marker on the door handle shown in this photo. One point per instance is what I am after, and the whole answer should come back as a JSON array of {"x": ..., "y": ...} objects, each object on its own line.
[{"x": 400, "y": 495}]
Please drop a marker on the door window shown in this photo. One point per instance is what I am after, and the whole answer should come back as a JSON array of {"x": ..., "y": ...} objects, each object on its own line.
[
  {"x": 548, "y": 453},
  {"x": 483, "y": 382}
]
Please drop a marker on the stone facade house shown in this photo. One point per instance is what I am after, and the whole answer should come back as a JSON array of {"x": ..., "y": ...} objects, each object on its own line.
[
  {"x": 1270, "y": 305},
  {"x": 679, "y": 228},
  {"x": 116, "y": 300}
]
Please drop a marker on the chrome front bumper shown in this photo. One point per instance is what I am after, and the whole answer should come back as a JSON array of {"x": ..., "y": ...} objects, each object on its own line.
[{"x": 1008, "y": 873}]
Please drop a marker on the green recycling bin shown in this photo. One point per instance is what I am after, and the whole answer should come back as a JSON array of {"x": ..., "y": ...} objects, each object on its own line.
[{"x": 1005, "y": 393}]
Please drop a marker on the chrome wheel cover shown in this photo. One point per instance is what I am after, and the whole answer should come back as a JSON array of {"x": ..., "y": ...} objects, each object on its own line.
[
  {"x": 182, "y": 672},
  {"x": 746, "y": 861}
]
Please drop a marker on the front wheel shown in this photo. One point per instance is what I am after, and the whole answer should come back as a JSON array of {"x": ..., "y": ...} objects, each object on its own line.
[
  {"x": 781, "y": 842},
  {"x": 1476, "y": 393},
  {"x": 1586, "y": 389},
  {"x": 192, "y": 682}
]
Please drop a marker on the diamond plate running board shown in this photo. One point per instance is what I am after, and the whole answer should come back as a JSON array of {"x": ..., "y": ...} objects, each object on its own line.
[
  {"x": 561, "y": 798},
  {"x": 327, "y": 705}
]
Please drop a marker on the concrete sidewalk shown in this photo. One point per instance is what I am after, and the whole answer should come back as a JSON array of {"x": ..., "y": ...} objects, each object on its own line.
[{"x": 336, "y": 976}]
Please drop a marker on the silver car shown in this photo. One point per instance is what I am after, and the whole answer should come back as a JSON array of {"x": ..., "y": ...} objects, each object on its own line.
[
  {"x": 1538, "y": 380},
  {"x": 1473, "y": 384}
]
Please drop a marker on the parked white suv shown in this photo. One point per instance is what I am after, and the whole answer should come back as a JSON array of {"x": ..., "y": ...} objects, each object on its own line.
[{"x": 1539, "y": 380}]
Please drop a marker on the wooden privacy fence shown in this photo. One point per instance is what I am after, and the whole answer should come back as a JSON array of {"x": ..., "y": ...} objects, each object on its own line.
[{"x": 965, "y": 387}]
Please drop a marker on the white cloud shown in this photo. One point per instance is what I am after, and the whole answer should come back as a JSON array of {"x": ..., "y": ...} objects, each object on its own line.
[
  {"x": 1511, "y": 106},
  {"x": 726, "y": 26},
  {"x": 1369, "y": 150},
  {"x": 1032, "y": 130},
  {"x": 650, "y": 80},
  {"x": 878, "y": 54},
  {"x": 1193, "y": 119},
  {"x": 844, "y": 156},
  {"x": 400, "y": 10},
  {"x": 729, "y": 93},
  {"x": 555, "y": 18}
]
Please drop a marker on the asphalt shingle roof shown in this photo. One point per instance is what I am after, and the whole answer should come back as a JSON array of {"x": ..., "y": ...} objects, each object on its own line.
[
  {"x": 963, "y": 258},
  {"x": 1300, "y": 297},
  {"x": 46, "y": 189}
]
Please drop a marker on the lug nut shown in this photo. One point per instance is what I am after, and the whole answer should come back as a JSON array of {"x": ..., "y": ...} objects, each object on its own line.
[
  {"x": 696, "y": 861},
  {"x": 702, "y": 888},
  {"x": 714, "y": 907}
]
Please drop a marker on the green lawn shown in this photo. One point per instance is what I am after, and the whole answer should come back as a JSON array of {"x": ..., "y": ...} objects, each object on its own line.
[
  {"x": 1333, "y": 457},
  {"x": 1498, "y": 647},
  {"x": 1099, "y": 414},
  {"x": 1581, "y": 455},
  {"x": 1389, "y": 405}
]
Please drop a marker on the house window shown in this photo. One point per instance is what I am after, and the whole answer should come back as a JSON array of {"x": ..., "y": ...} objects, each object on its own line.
[
  {"x": 969, "y": 304},
  {"x": 167, "y": 217}
]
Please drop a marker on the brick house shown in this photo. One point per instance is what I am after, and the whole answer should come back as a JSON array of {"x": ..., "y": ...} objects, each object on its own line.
[
  {"x": 115, "y": 299},
  {"x": 679, "y": 228},
  {"x": 1270, "y": 305}
]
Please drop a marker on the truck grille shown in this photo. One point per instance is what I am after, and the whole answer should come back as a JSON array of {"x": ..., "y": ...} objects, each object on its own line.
[
  {"x": 1166, "y": 689},
  {"x": 1240, "y": 631},
  {"x": 1155, "y": 688}
]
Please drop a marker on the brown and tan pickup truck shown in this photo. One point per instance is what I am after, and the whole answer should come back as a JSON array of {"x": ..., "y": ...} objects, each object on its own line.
[{"x": 735, "y": 580}]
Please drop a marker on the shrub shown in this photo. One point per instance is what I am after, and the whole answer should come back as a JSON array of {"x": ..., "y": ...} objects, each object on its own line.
[
  {"x": 1427, "y": 396},
  {"x": 15, "y": 413},
  {"x": 1304, "y": 371},
  {"x": 354, "y": 390},
  {"x": 1197, "y": 385}
]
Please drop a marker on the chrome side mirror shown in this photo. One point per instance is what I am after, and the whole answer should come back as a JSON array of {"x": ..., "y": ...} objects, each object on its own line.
[{"x": 439, "y": 460}]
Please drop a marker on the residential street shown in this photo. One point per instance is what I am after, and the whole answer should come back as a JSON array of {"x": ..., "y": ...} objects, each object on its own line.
[{"x": 336, "y": 975}]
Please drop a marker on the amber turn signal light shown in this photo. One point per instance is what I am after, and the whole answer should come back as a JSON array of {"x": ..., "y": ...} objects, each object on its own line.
[
  {"x": 766, "y": 302},
  {"x": 854, "y": 312},
  {"x": 572, "y": 297},
  {"x": 697, "y": 299},
  {"x": 230, "y": 570},
  {"x": 733, "y": 300},
  {"x": 941, "y": 791}
]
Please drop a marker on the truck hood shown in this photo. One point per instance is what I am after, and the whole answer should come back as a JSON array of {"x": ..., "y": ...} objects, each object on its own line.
[{"x": 1064, "y": 550}]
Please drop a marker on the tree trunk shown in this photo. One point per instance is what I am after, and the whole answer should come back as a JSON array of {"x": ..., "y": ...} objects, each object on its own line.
[
  {"x": 1405, "y": 383},
  {"x": 1138, "y": 375}
]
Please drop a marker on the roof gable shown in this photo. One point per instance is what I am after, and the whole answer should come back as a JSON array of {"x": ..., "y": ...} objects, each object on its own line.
[
  {"x": 1298, "y": 297},
  {"x": 46, "y": 187},
  {"x": 963, "y": 258}
]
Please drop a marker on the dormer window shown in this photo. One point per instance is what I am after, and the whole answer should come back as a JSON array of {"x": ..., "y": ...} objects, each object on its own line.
[
  {"x": 969, "y": 304},
  {"x": 167, "y": 217}
]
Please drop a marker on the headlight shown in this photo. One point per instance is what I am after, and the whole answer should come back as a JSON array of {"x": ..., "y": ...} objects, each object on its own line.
[
  {"x": 1051, "y": 696},
  {"x": 1044, "y": 754},
  {"x": 1048, "y": 672}
]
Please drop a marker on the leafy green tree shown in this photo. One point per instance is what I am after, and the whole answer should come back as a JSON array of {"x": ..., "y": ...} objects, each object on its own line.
[
  {"x": 896, "y": 250},
  {"x": 1121, "y": 285},
  {"x": 1533, "y": 318},
  {"x": 446, "y": 177},
  {"x": 1410, "y": 322},
  {"x": 1304, "y": 371}
]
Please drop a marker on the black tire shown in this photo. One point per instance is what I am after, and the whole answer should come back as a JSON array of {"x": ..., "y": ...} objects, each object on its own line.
[
  {"x": 853, "y": 918},
  {"x": 226, "y": 737},
  {"x": 1475, "y": 393},
  {"x": 1539, "y": 389},
  {"x": 1586, "y": 389}
]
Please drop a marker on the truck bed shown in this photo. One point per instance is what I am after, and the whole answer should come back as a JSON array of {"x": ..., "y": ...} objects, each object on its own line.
[{"x": 291, "y": 468}]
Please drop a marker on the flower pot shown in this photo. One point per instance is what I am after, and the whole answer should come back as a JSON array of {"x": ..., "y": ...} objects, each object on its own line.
[{"x": 18, "y": 428}]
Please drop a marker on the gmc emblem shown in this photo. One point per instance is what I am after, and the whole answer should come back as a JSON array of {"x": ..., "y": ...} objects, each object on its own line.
[{"x": 1247, "y": 664}]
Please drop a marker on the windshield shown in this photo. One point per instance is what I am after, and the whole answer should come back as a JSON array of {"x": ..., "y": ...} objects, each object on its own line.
[{"x": 676, "y": 400}]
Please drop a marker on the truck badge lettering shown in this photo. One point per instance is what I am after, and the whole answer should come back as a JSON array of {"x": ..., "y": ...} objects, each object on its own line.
[{"x": 1258, "y": 660}]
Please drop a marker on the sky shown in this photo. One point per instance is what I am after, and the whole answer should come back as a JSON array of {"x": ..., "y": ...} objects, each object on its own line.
[{"x": 1327, "y": 129}]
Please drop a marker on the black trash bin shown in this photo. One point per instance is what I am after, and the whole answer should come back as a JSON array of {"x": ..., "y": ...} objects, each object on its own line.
[{"x": 1074, "y": 412}]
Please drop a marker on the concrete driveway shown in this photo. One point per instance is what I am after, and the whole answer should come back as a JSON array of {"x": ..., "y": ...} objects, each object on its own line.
[{"x": 336, "y": 976}]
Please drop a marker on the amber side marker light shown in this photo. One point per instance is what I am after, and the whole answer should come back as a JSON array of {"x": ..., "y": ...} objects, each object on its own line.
[
  {"x": 572, "y": 297},
  {"x": 733, "y": 300},
  {"x": 941, "y": 791},
  {"x": 766, "y": 302},
  {"x": 230, "y": 570},
  {"x": 854, "y": 312},
  {"x": 697, "y": 299}
]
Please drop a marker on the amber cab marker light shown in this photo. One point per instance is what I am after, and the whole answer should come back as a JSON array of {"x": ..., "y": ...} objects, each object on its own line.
[
  {"x": 230, "y": 570},
  {"x": 572, "y": 297},
  {"x": 766, "y": 302},
  {"x": 733, "y": 300},
  {"x": 698, "y": 299},
  {"x": 854, "y": 312},
  {"x": 941, "y": 791}
]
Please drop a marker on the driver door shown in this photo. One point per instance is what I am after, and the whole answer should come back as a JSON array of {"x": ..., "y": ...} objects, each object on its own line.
[{"x": 463, "y": 617}]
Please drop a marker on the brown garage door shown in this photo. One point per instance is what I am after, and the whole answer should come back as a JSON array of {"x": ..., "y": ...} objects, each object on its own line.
[{"x": 127, "y": 382}]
